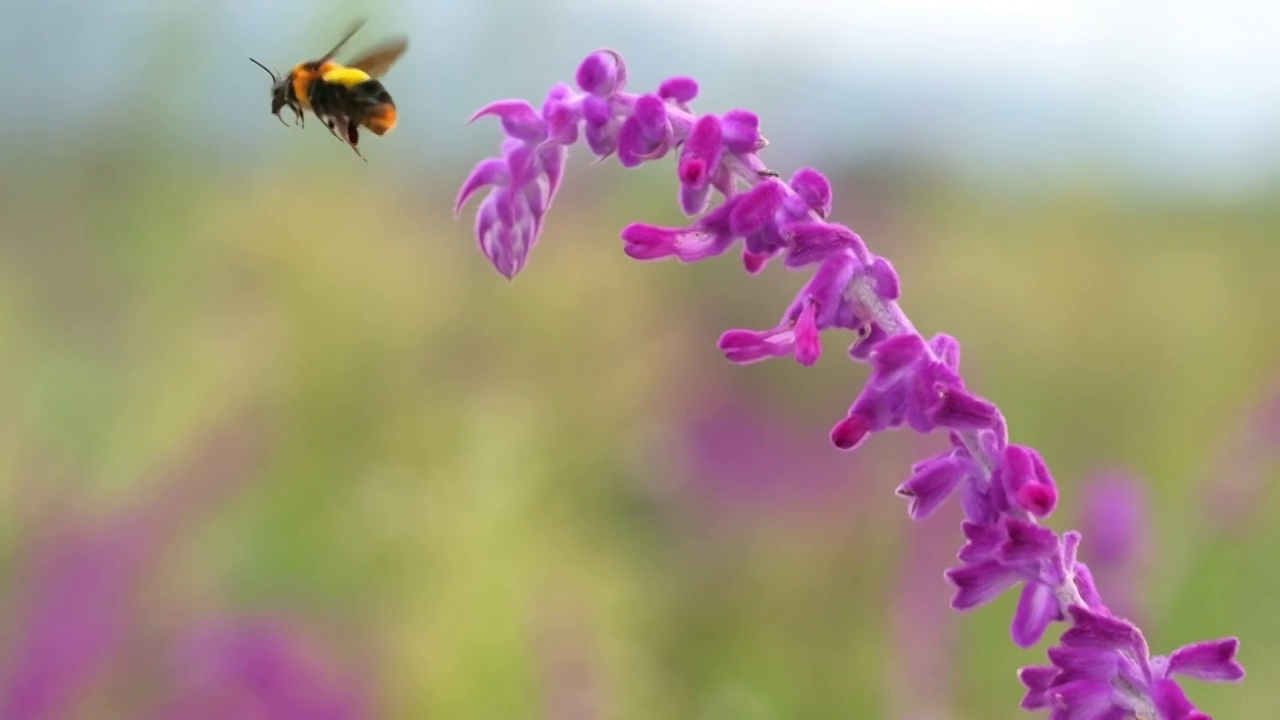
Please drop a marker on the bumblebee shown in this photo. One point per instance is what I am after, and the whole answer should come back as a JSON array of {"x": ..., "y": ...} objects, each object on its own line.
[{"x": 343, "y": 97}]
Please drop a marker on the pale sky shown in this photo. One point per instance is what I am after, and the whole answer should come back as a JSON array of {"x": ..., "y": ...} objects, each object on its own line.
[
  {"x": 1185, "y": 82},
  {"x": 1167, "y": 89}
]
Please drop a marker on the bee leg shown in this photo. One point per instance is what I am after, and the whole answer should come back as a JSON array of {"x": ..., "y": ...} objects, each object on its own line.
[
  {"x": 281, "y": 119},
  {"x": 353, "y": 138},
  {"x": 297, "y": 113},
  {"x": 332, "y": 124}
]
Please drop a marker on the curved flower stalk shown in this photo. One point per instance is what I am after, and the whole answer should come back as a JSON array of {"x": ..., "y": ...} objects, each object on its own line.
[{"x": 1102, "y": 668}]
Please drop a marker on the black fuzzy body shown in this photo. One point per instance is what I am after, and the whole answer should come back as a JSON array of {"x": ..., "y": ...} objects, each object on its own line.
[{"x": 345, "y": 108}]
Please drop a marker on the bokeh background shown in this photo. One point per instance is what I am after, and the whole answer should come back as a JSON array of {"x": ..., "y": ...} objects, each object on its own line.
[{"x": 277, "y": 443}]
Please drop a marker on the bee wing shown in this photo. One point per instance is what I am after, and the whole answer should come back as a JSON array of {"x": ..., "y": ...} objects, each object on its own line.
[
  {"x": 377, "y": 61},
  {"x": 355, "y": 26}
]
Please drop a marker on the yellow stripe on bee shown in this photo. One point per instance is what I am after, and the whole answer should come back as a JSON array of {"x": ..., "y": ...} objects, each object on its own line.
[{"x": 347, "y": 76}]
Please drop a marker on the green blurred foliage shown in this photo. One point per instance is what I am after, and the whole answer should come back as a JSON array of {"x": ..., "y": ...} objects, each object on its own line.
[{"x": 475, "y": 488}]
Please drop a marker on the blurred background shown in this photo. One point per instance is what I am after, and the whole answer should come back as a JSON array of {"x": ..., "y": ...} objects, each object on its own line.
[{"x": 278, "y": 443}]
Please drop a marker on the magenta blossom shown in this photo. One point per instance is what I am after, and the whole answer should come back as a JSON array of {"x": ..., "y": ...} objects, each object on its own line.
[{"x": 1005, "y": 489}]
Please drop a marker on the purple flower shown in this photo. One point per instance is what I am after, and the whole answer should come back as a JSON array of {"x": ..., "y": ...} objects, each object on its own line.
[
  {"x": 1004, "y": 489},
  {"x": 716, "y": 153},
  {"x": 260, "y": 669},
  {"x": 81, "y": 576},
  {"x": 923, "y": 630},
  {"x": 1113, "y": 517},
  {"x": 1102, "y": 669},
  {"x": 911, "y": 385},
  {"x": 524, "y": 179},
  {"x": 76, "y": 619}
]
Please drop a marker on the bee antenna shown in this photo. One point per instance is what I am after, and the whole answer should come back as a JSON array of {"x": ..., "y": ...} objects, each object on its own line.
[{"x": 270, "y": 72}]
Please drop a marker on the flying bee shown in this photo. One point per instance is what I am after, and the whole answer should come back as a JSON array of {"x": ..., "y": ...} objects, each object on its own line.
[{"x": 345, "y": 97}]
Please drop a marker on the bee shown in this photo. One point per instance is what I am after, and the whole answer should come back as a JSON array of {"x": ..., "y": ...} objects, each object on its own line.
[{"x": 345, "y": 97}]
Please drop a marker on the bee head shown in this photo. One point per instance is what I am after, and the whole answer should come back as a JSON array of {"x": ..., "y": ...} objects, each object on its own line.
[
  {"x": 278, "y": 98},
  {"x": 279, "y": 90}
]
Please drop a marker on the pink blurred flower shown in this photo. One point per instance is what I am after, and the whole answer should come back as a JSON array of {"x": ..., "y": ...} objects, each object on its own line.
[{"x": 257, "y": 669}]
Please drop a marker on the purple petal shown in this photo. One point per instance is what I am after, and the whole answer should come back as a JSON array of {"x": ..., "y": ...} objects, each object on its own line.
[
  {"x": 849, "y": 433},
  {"x": 757, "y": 207},
  {"x": 694, "y": 173},
  {"x": 645, "y": 134},
  {"x": 650, "y": 242},
  {"x": 1085, "y": 663},
  {"x": 1037, "y": 608},
  {"x": 694, "y": 200},
  {"x": 982, "y": 541},
  {"x": 535, "y": 198},
  {"x": 978, "y": 504},
  {"x": 560, "y": 116},
  {"x": 931, "y": 483},
  {"x": 1037, "y": 499},
  {"x": 724, "y": 180},
  {"x": 602, "y": 126},
  {"x": 521, "y": 163},
  {"x": 1026, "y": 542},
  {"x": 814, "y": 242},
  {"x": 504, "y": 204},
  {"x": 947, "y": 350},
  {"x": 797, "y": 333},
  {"x": 1045, "y": 497},
  {"x": 980, "y": 583},
  {"x": 1026, "y": 480},
  {"x": 741, "y": 131},
  {"x": 829, "y": 287},
  {"x": 498, "y": 239},
  {"x": 551, "y": 158},
  {"x": 491, "y": 171},
  {"x": 633, "y": 148},
  {"x": 1087, "y": 588},
  {"x": 503, "y": 251},
  {"x": 1211, "y": 660},
  {"x": 885, "y": 407},
  {"x": 680, "y": 89},
  {"x": 814, "y": 189},
  {"x": 956, "y": 409},
  {"x": 753, "y": 263},
  {"x": 1015, "y": 468},
  {"x": 1070, "y": 547},
  {"x": 1093, "y": 630},
  {"x": 596, "y": 111},
  {"x": 602, "y": 73},
  {"x": 807, "y": 339},
  {"x": 1082, "y": 700},
  {"x": 562, "y": 125},
  {"x": 1173, "y": 704},
  {"x": 896, "y": 355},
  {"x": 700, "y": 153},
  {"x": 602, "y": 139},
  {"x": 765, "y": 241},
  {"x": 870, "y": 339},
  {"x": 886, "y": 280},
  {"x": 744, "y": 347},
  {"x": 1037, "y": 680},
  {"x": 519, "y": 119}
]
